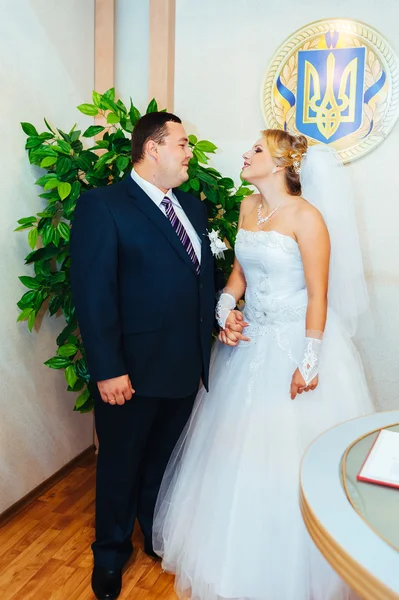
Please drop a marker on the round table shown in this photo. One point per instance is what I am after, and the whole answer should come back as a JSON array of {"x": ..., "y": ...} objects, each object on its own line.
[{"x": 368, "y": 564}]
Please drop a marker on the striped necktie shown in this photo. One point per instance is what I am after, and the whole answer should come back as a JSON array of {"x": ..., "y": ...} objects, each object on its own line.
[{"x": 181, "y": 232}]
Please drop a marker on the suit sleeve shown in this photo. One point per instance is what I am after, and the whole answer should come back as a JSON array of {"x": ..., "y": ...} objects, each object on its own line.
[{"x": 94, "y": 279}]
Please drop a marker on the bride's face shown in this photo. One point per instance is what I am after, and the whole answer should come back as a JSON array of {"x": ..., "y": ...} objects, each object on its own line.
[{"x": 258, "y": 162}]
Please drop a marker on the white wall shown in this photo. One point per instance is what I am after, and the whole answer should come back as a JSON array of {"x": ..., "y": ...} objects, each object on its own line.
[
  {"x": 223, "y": 48},
  {"x": 132, "y": 34},
  {"x": 46, "y": 69}
]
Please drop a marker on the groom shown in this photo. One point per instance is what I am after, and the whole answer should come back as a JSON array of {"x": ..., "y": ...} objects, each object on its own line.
[{"x": 143, "y": 284}]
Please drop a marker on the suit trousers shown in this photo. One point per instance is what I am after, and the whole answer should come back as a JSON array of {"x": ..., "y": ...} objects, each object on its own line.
[{"x": 135, "y": 444}]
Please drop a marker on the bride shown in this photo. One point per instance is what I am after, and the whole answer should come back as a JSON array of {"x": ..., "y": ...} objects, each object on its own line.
[{"x": 227, "y": 520}]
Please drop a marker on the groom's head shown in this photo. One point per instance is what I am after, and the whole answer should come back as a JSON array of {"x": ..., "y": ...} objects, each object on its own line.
[{"x": 160, "y": 149}]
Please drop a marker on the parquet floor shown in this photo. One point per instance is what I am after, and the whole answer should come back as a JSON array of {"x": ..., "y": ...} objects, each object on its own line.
[{"x": 45, "y": 550}]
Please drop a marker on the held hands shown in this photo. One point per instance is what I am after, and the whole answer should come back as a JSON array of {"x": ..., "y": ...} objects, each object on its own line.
[
  {"x": 298, "y": 384},
  {"x": 234, "y": 326},
  {"x": 116, "y": 390}
]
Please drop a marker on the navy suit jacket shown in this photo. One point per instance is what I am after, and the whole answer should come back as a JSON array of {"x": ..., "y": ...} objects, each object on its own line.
[{"x": 141, "y": 307}]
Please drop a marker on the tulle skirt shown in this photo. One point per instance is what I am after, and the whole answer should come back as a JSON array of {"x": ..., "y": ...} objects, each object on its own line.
[{"x": 227, "y": 520}]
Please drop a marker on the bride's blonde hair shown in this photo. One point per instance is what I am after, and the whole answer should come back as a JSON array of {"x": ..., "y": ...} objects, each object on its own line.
[{"x": 287, "y": 151}]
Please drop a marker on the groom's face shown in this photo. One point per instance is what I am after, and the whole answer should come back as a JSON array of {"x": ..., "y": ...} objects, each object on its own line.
[{"x": 174, "y": 154}]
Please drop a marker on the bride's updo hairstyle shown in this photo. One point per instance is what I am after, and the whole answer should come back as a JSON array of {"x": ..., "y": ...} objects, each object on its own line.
[{"x": 288, "y": 151}]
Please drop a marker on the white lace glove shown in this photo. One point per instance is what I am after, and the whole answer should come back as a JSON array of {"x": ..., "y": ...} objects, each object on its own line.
[
  {"x": 309, "y": 366},
  {"x": 226, "y": 303}
]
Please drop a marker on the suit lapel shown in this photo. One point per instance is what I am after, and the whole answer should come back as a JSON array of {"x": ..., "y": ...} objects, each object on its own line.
[{"x": 147, "y": 206}]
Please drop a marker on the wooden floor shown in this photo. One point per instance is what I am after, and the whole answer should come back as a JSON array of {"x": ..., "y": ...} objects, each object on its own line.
[{"x": 45, "y": 550}]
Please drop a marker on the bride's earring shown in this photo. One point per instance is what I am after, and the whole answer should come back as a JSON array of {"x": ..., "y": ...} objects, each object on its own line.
[{"x": 274, "y": 170}]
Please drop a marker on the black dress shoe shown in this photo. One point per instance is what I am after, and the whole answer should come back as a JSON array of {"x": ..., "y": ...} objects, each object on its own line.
[
  {"x": 150, "y": 552},
  {"x": 106, "y": 583}
]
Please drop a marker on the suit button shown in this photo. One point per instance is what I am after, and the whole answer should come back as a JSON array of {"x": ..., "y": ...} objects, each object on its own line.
[
  {"x": 201, "y": 319},
  {"x": 201, "y": 286}
]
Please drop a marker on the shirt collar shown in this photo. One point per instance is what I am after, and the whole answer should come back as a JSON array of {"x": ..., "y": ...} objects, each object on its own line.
[{"x": 152, "y": 190}]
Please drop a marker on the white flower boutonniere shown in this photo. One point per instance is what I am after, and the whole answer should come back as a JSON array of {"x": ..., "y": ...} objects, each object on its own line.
[{"x": 217, "y": 245}]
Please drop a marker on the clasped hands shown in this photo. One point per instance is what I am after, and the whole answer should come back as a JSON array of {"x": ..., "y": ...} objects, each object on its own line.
[{"x": 233, "y": 331}]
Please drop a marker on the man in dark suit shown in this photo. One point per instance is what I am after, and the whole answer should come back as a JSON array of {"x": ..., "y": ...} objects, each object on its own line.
[{"x": 143, "y": 284}]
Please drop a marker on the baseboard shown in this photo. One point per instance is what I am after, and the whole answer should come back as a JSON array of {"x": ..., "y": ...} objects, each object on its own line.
[{"x": 42, "y": 488}]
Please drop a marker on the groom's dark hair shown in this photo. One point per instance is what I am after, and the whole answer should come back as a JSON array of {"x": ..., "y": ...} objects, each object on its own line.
[{"x": 150, "y": 127}]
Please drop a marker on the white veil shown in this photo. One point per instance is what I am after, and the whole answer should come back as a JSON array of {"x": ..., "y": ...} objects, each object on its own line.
[{"x": 326, "y": 185}]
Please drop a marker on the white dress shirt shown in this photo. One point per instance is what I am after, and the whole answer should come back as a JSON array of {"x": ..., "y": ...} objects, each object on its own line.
[{"x": 157, "y": 196}]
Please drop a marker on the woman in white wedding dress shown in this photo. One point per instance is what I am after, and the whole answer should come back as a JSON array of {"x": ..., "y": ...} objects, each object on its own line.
[{"x": 228, "y": 521}]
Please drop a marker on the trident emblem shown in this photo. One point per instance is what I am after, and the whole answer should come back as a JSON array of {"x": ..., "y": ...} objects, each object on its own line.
[
  {"x": 330, "y": 112},
  {"x": 330, "y": 92}
]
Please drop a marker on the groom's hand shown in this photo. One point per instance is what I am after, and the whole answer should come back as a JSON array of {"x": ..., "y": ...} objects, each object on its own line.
[{"x": 116, "y": 390}]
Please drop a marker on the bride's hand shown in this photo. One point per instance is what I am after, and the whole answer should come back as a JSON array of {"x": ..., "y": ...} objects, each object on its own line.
[{"x": 298, "y": 384}]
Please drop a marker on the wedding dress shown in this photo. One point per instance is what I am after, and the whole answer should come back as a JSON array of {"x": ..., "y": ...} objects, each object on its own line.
[{"x": 228, "y": 521}]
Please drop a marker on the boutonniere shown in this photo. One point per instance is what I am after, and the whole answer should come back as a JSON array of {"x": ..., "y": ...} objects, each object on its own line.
[{"x": 217, "y": 245}]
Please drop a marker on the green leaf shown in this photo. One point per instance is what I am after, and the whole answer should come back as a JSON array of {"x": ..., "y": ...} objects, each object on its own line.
[
  {"x": 243, "y": 191},
  {"x": 64, "y": 164},
  {"x": 112, "y": 118},
  {"x": 27, "y": 220},
  {"x": 31, "y": 320},
  {"x": 200, "y": 156},
  {"x": 192, "y": 139},
  {"x": 152, "y": 107},
  {"x": 54, "y": 306},
  {"x": 84, "y": 162},
  {"x": 122, "y": 108},
  {"x": 67, "y": 350},
  {"x": 64, "y": 189},
  {"x": 93, "y": 130},
  {"x": 127, "y": 125},
  {"x": 29, "y": 282},
  {"x": 75, "y": 193},
  {"x": 122, "y": 162},
  {"x": 48, "y": 126},
  {"x": 58, "y": 277},
  {"x": 227, "y": 183},
  {"x": 110, "y": 94},
  {"x": 108, "y": 156},
  {"x": 33, "y": 236},
  {"x": 70, "y": 376},
  {"x": 32, "y": 142},
  {"x": 24, "y": 314},
  {"x": 47, "y": 234},
  {"x": 195, "y": 184},
  {"x": 43, "y": 180},
  {"x": 51, "y": 183},
  {"x": 204, "y": 176},
  {"x": 22, "y": 227},
  {"x": 64, "y": 231},
  {"x": 63, "y": 336},
  {"x": 96, "y": 97},
  {"x": 79, "y": 385},
  {"x": 48, "y": 161},
  {"x": 82, "y": 370},
  {"x": 88, "y": 109},
  {"x": 46, "y": 136},
  {"x": 100, "y": 144},
  {"x": 27, "y": 300},
  {"x": 29, "y": 129},
  {"x": 205, "y": 146},
  {"x": 63, "y": 146},
  {"x": 134, "y": 113},
  {"x": 82, "y": 399},
  {"x": 57, "y": 362}
]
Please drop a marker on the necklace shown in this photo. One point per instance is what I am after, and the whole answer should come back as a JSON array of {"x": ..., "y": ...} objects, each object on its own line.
[{"x": 269, "y": 216}]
